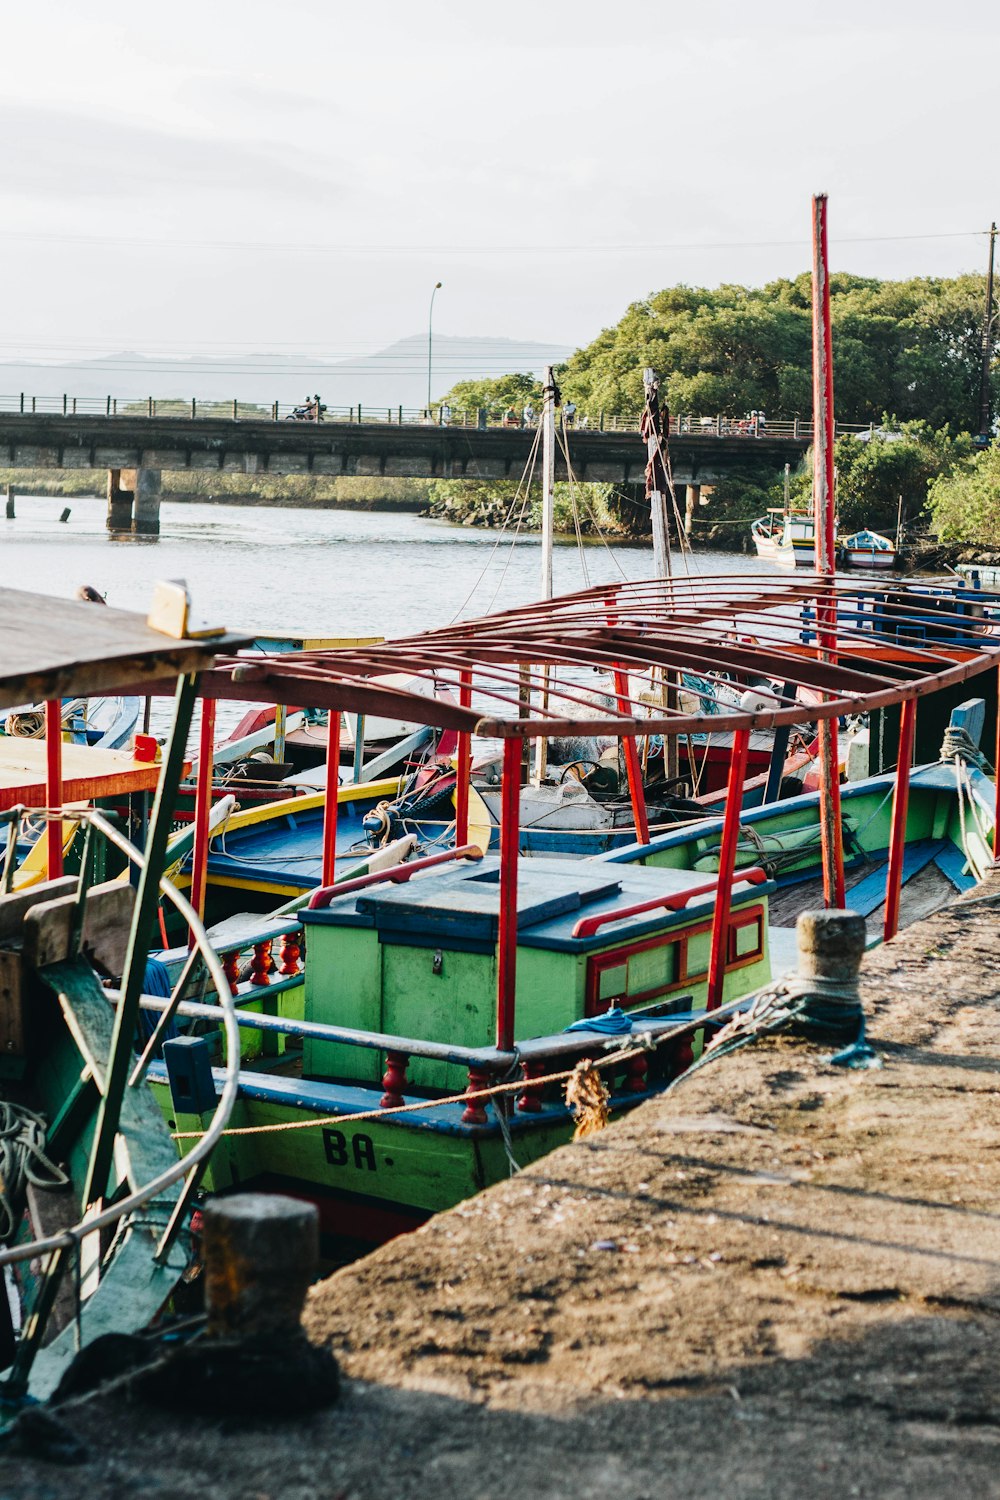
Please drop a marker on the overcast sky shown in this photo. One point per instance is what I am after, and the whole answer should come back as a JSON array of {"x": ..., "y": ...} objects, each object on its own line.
[{"x": 237, "y": 175}]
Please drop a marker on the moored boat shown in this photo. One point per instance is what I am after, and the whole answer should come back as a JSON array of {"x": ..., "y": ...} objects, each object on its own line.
[{"x": 867, "y": 549}]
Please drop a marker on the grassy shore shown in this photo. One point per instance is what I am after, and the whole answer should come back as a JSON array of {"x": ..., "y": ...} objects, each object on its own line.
[{"x": 237, "y": 489}]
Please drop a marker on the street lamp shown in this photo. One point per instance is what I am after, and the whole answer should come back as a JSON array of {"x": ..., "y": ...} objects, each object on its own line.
[{"x": 430, "y": 324}]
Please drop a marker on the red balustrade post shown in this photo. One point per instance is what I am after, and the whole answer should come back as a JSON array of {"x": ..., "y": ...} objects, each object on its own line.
[
  {"x": 464, "y": 764},
  {"x": 996, "y": 803},
  {"x": 202, "y": 809},
  {"x": 259, "y": 970},
  {"x": 510, "y": 808},
  {"x": 635, "y": 1075},
  {"x": 394, "y": 1079},
  {"x": 479, "y": 1080},
  {"x": 897, "y": 833},
  {"x": 727, "y": 867},
  {"x": 330, "y": 806},
  {"x": 231, "y": 969},
  {"x": 53, "y": 785},
  {"x": 530, "y": 1102},
  {"x": 289, "y": 953}
]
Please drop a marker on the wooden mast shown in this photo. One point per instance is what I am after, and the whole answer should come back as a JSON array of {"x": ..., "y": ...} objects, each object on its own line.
[{"x": 831, "y": 834}]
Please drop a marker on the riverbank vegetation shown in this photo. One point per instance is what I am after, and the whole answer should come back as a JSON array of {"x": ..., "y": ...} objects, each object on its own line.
[{"x": 244, "y": 489}]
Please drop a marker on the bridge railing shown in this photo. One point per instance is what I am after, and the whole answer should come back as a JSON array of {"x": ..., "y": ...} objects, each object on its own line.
[{"x": 683, "y": 424}]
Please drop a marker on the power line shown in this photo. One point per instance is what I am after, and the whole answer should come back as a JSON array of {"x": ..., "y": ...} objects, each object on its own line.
[{"x": 394, "y": 248}]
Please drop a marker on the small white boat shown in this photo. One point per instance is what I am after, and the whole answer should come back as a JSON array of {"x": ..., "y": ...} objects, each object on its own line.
[
  {"x": 867, "y": 549},
  {"x": 786, "y": 537}
]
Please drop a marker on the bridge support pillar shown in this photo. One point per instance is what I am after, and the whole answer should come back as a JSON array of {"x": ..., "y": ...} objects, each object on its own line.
[
  {"x": 119, "y": 503},
  {"x": 692, "y": 496},
  {"x": 146, "y": 485},
  {"x": 134, "y": 501}
]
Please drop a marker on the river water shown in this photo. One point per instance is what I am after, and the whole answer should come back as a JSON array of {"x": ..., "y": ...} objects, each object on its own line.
[{"x": 308, "y": 571}]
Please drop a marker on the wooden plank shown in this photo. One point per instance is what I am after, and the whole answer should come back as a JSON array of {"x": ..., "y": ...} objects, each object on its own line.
[
  {"x": 15, "y": 907},
  {"x": 48, "y": 927},
  {"x": 88, "y": 772},
  {"x": 53, "y": 647}
]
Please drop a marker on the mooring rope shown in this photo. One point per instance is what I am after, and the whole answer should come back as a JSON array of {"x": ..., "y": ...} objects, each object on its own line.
[{"x": 22, "y": 1161}]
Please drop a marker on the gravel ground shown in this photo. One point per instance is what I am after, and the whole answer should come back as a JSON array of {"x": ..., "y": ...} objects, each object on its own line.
[{"x": 781, "y": 1281}]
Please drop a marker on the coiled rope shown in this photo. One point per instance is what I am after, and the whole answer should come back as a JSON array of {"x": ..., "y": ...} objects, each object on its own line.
[{"x": 22, "y": 1162}]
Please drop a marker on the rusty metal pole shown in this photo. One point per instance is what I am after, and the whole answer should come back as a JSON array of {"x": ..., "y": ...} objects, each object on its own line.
[
  {"x": 202, "y": 809},
  {"x": 636, "y": 790},
  {"x": 831, "y": 830},
  {"x": 900, "y": 805},
  {"x": 727, "y": 868},
  {"x": 53, "y": 785},
  {"x": 464, "y": 764},
  {"x": 510, "y": 807},
  {"x": 330, "y": 807}
]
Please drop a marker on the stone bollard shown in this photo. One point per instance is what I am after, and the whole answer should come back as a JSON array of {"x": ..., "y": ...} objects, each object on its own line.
[
  {"x": 261, "y": 1253},
  {"x": 831, "y": 948}
]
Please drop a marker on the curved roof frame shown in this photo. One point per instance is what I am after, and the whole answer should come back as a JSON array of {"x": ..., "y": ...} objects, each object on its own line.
[{"x": 893, "y": 642}]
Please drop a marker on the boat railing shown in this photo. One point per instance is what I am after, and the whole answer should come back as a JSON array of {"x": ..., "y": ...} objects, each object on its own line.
[
  {"x": 673, "y": 1018},
  {"x": 398, "y": 874},
  {"x": 188, "y": 1168},
  {"x": 587, "y": 926}
]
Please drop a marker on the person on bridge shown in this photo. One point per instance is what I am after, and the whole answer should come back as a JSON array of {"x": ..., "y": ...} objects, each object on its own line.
[
  {"x": 528, "y": 415},
  {"x": 569, "y": 412},
  {"x": 511, "y": 418},
  {"x": 318, "y": 409}
]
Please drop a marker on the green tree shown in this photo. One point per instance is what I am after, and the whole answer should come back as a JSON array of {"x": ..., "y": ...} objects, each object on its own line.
[
  {"x": 964, "y": 505},
  {"x": 899, "y": 460},
  {"x": 495, "y": 394}
]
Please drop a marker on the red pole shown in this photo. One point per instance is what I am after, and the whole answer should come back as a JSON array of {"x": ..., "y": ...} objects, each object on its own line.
[
  {"x": 510, "y": 807},
  {"x": 900, "y": 804},
  {"x": 823, "y": 499},
  {"x": 727, "y": 867},
  {"x": 996, "y": 804},
  {"x": 53, "y": 785},
  {"x": 202, "y": 807},
  {"x": 636, "y": 791},
  {"x": 824, "y": 542},
  {"x": 464, "y": 764},
  {"x": 330, "y": 806}
]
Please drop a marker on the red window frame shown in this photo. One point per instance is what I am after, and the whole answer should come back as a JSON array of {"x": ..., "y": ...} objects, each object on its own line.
[{"x": 744, "y": 916}]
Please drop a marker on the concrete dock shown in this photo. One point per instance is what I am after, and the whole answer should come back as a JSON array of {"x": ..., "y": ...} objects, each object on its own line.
[{"x": 783, "y": 1280}]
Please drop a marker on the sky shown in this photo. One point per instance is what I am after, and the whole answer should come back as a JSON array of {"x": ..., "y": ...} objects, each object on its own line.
[{"x": 233, "y": 176}]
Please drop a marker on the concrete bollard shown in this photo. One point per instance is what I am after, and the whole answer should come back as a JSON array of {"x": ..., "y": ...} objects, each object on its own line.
[
  {"x": 831, "y": 947},
  {"x": 261, "y": 1253}
]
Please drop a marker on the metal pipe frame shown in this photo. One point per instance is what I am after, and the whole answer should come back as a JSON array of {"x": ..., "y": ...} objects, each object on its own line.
[
  {"x": 510, "y": 807},
  {"x": 53, "y": 785},
  {"x": 202, "y": 807},
  {"x": 464, "y": 763},
  {"x": 330, "y": 804},
  {"x": 727, "y": 866},
  {"x": 897, "y": 834}
]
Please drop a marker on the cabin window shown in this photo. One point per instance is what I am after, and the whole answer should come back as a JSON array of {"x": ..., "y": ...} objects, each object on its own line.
[
  {"x": 746, "y": 936},
  {"x": 613, "y": 981},
  {"x": 631, "y": 975},
  {"x": 698, "y": 948}
]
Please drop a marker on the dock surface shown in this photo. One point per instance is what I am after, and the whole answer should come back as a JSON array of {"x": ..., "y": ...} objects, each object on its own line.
[{"x": 781, "y": 1280}]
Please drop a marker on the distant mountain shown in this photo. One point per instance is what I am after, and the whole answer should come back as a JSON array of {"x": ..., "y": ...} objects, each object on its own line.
[{"x": 395, "y": 376}]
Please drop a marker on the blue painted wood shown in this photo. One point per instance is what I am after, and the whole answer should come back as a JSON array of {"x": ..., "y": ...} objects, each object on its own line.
[
  {"x": 951, "y": 862},
  {"x": 970, "y": 716},
  {"x": 867, "y": 896}
]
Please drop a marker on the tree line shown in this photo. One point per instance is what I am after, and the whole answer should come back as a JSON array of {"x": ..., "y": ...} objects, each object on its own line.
[{"x": 907, "y": 358}]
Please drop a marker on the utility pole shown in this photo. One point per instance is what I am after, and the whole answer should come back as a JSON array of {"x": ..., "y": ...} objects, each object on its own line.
[
  {"x": 985, "y": 404},
  {"x": 430, "y": 325}
]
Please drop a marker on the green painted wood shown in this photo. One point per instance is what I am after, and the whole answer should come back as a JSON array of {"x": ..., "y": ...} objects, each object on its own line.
[{"x": 140, "y": 937}]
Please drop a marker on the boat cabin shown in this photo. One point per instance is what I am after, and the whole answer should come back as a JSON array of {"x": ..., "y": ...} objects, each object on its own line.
[{"x": 419, "y": 959}]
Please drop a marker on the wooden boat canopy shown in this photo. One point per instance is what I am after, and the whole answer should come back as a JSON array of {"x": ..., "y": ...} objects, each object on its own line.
[
  {"x": 50, "y": 648},
  {"x": 527, "y": 667}
]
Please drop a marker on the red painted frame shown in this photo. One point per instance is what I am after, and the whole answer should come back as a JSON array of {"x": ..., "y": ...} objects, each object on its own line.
[{"x": 598, "y": 962}]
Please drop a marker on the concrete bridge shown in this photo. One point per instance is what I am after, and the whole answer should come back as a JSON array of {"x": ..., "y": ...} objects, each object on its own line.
[{"x": 134, "y": 450}]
